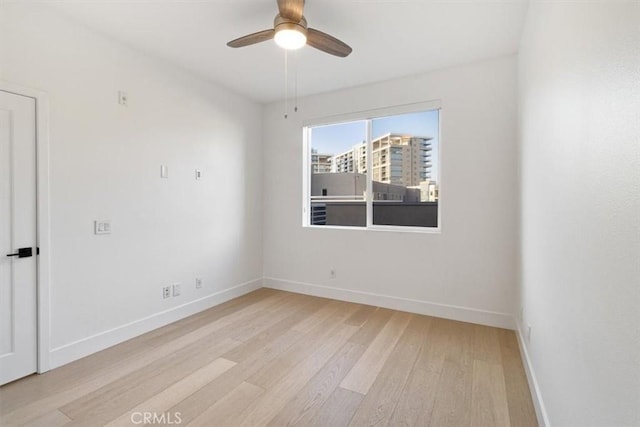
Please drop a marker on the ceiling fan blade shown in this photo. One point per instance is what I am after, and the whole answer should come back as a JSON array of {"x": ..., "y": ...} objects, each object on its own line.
[
  {"x": 291, "y": 9},
  {"x": 260, "y": 36},
  {"x": 326, "y": 43}
]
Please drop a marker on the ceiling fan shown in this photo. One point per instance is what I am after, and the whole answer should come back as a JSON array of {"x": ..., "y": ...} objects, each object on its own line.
[{"x": 290, "y": 31}]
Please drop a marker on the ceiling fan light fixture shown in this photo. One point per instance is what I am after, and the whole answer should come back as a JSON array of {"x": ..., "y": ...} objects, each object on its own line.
[
  {"x": 290, "y": 31},
  {"x": 290, "y": 36}
]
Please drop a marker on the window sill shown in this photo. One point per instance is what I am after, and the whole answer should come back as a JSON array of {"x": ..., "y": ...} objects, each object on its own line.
[{"x": 383, "y": 228}]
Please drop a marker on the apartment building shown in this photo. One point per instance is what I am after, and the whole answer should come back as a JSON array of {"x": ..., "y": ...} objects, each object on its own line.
[
  {"x": 401, "y": 159},
  {"x": 351, "y": 161},
  {"x": 397, "y": 159},
  {"x": 320, "y": 163}
]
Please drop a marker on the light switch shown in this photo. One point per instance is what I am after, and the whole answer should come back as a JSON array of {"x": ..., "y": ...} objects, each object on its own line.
[
  {"x": 102, "y": 227},
  {"x": 164, "y": 171},
  {"x": 198, "y": 174},
  {"x": 123, "y": 99}
]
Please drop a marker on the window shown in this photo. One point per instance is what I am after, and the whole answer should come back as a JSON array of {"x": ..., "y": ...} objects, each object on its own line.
[{"x": 379, "y": 172}]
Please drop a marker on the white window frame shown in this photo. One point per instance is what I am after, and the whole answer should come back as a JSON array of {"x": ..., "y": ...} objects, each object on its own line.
[{"x": 367, "y": 115}]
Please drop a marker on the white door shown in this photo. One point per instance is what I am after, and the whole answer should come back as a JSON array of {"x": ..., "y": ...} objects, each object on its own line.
[{"x": 18, "y": 350}]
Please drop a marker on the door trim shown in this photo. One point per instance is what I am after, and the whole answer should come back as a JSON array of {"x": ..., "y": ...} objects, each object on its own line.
[{"x": 43, "y": 223}]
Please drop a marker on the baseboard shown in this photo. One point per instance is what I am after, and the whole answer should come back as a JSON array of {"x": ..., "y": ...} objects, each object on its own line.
[
  {"x": 536, "y": 395},
  {"x": 68, "y": 353},
  {"x": 464, "y": 314}
]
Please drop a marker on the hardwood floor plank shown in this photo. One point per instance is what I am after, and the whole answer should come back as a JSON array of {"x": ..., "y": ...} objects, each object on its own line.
[
  {"x": 191, "y": 323},
  {"x": 269, "y": 316},
  {"x": 175, "y": 393},
  {"x": 379, "y": 403},
  {"x": 290, "y": 343},
  {"x": 338, "y": 409},
  {"x": 73, "y": 381},
  {"x": 488, "y": 396},
  {"x": 197, "y": 403},
  {"x": 52, "y": 419},
  {"x": 182, "y": 349},
  {"x": 286, "y": 325},
  {"x": 372, "y": 326},
  {"x": 226, "y": 411},
  {"x": 453, "y": 393},
  {"x": 329, "y": 309},
  {"x": 109, "y": 402},
  {"x": 419, "y": 394},
  {"x": 175, "y": 364},
  {"x": 366, "y": 370},
  {"x": 360, "y": 317},
  {"x": 85, "y": 386},
  {"x": 304, "y": 406},
  {"x": 20, "y": 393},
  {"x": 271, "y": 373},
  {"x": 486, "y": 345},
  {"x": 277, "y": 396},
  {"x": 521, "y": 410}
]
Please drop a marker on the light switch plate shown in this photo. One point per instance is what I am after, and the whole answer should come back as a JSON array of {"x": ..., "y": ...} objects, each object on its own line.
[
  {"x": 164, "y": 171},
  {"x": 198, "y": 174},
  {"x": 102, "y": 226},
  {"x": 123, "y": 99}
]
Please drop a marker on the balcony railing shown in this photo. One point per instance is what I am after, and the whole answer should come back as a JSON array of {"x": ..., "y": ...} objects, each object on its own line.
[{"x": 336, "y": 199}]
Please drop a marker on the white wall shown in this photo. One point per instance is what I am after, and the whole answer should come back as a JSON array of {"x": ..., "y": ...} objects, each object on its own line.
[
  {"x": 579, "y": 93},
  {"x": 471, "y": 264},
  {"x": 2, "y": 39},
  {"x": 105, "y": 164}
]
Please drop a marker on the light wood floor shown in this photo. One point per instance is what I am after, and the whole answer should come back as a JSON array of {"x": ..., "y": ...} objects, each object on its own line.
[{"x": 278, "y": 358}]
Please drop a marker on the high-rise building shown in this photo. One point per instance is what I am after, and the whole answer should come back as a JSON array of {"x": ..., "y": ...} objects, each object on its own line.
[
  {"x": 397, "y": 159},
  {"x": 320, "y": 163},
  {"x": 351, "y": 161},
  {"x": 401, "y": 159}
]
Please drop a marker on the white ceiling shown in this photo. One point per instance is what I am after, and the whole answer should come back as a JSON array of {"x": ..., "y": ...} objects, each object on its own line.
[{"x": 390, "y": 38}]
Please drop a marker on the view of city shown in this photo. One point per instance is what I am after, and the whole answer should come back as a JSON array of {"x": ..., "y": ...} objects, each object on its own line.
[{"x": 404, "y": 171}]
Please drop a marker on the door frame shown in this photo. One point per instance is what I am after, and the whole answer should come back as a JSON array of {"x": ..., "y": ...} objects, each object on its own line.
[{"x": 43, "y": 223}]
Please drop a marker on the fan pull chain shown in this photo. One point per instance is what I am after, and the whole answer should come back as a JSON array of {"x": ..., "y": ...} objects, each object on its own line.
[
  {"x": 295, "y": 87},
  {"x": 286, "y": 83}
]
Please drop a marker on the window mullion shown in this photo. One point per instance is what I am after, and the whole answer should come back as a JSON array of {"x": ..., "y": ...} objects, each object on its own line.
[
  {"x": 306, "y": 177},
  {"x": 369, "y": 176}
]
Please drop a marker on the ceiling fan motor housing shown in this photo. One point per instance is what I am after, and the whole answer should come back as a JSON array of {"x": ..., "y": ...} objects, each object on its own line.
[{"x": 280, "y": 23}]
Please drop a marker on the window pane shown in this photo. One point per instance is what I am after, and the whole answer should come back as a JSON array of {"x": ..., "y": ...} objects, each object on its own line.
[
  {"x": 405, "y": 169},
  {"x": 338, "y": 174}
]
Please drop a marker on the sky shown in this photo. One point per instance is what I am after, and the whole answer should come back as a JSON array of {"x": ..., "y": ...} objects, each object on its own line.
[{"x": 338, "y": 138}]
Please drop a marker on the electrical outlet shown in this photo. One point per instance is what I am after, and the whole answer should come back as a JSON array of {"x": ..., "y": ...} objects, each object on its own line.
[
  {"x": 166, "y": 292},
  {"x": 102, "y": 227},
  {"x": 198, "y": 283},
  {"x": 333, "y": 273},
  {"x": 176, "y": 289}
]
